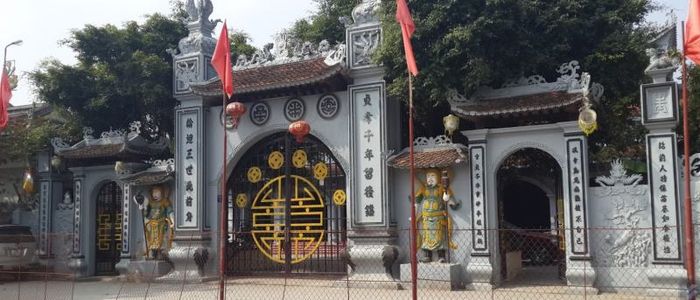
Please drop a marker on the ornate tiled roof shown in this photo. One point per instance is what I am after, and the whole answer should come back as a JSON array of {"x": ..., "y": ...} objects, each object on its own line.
[
  {"x": 111, "y": 144},
  {"x": 299, "y": 74},
  {"x": 438, "y": 152},
  {"x": 520, "y": 104},
  {"x": 162, "y": 171},
  {"x": 529, "y": 95}
]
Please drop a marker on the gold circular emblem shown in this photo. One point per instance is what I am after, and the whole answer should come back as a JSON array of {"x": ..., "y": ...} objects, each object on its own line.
[
  {"x": 320, "y": 171},
  {"x": 339, "y": 197},
  {"x": 299, "y": 158},
  {"x": 307, "y": 232},
  {"x": 254, "y": 174},
  {"x": 241, "y": 200},
  {"x": 275, "y": 160}
]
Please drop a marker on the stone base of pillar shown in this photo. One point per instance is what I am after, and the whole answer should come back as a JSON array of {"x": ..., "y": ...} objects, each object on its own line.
[
  {"x": 580, "y": 277},
  {"x": 190, "y": 258},
  {"x": 479, "y": 274},
  {"x": 434, "y": 275},
  {"x": 372, "y": 261},
  {"x": 123, "y": 265},
  {"x": 667, "y": 281},
  {"x": 78, "y": 265}
]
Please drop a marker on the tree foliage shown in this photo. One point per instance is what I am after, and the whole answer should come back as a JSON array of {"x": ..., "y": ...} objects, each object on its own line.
[
  {"x": 467, "y": 44},
  {"x": 122, "y": 74},
  {"x": 693, "y": 109}
]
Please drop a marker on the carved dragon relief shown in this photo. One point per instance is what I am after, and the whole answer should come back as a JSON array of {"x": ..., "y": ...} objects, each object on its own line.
[{"x": 630, "y": 246}]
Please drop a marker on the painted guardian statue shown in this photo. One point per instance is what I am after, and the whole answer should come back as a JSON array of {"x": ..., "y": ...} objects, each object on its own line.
[
  {"x": 157, "y": 212},
  {"x": 434, "y": 224}
]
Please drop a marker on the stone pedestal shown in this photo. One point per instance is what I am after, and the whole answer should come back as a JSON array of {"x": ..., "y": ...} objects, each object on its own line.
[
  {"x": 78, "y": 266},
  {"x": 144, "y": 270},
  {"x": 580, "y": 277},
  {"x": 478, "y": 275},
  {"x": 372, "y": 261},
  {"x": 514, "y": 263},
  {"x": 434, "y": 275},
  {"x": 667, "y": 281},
  {"x": 190, "y": 258}
]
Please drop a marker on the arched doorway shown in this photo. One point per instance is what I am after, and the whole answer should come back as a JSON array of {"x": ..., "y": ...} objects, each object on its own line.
[
  {"x": 108, "y": 229},
  {"x": 530, "y": 218},
  {"x": 287, "y": 209}
]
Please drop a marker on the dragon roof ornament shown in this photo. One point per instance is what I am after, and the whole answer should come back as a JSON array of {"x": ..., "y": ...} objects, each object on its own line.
[
  {"x": 569, "y": 81},
  {"x": 287, "y": 49}
]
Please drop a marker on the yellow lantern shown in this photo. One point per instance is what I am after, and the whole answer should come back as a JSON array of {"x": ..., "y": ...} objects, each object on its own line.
[
  {"x": 451, "y": 123},
  {"x": 587, "y": 120}
]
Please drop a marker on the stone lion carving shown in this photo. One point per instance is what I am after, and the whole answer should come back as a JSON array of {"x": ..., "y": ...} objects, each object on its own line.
[{"x": 366, "y": 11}]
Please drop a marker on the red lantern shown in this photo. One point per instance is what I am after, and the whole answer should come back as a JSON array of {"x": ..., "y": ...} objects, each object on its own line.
[
  {"x": 299, "y": 130},
  {"x": 235, "y": 110}
]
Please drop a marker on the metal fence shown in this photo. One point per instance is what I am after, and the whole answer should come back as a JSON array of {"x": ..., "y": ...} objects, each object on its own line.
[{"x": 523, "y": 264}]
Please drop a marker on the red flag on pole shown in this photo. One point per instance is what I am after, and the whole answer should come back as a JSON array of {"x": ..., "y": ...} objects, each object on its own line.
[
  {"x": 691, "y": 46},
  {"x": 403, "y": 16},
  {"x": 5, "y": 95},
  {"x": 221, "y": 61}
]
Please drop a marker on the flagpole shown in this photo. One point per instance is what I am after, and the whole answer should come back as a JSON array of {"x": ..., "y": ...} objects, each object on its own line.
[
  {"x": 224, "y": 206},
  {"x": 413, "y": 235},
  {"x": 688, "y": 209}
]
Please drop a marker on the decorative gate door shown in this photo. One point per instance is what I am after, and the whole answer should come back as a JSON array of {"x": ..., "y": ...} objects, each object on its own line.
[
  {"x": 108, "y": 229},
  {"x": 287, "y": 209}
]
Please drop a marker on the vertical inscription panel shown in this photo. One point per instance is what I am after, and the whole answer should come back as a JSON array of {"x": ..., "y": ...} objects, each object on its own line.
[
  {"x": 661, "y": 151},
  {"x": 189, "y": 160},
  {"x": 44, "y": 218},
  {"x": 575, "y": 149},
  {"x": 125, "y": 219},
  {"x": 77, "y": 194},
  {"x": 369, "y": 170},
  {"x": 478, "y": 199}
]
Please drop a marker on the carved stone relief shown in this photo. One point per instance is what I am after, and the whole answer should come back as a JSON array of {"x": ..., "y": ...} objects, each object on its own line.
[
  {"x": 364, "y": 44},
  {"x": 626, "y": 244},
  {"x": 185, "y": 73},
  {"x": 367, "y": 11}
]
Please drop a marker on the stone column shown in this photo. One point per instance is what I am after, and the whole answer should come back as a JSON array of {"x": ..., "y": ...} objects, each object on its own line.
[
  {"x": 580, "y": 275},
  {"x": 371, "y": 235},
  {"x": 50, "y": 192},
  {"x": 660, "y": 116},
  {"x": 78, "y": 263},
  {"x": 479, "y": 269},
  {"x": 125, "y": 258}
]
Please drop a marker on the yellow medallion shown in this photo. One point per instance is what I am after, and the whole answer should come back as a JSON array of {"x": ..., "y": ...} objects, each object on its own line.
[
  {"x": 339, "y": 197},
  {"x": 320, "y": 172},
  {"x": 299, "y": 158},
  {"x": 275, "y": 160},
  {"x": 254, "y": 174},
  {"x": 241, "y": 200}
]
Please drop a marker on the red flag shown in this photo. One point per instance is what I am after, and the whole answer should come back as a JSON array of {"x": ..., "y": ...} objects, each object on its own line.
[
  {"x": 403, "y": 16},
  {"x": 5, "y": 95},
  {"x": 691, "y": 46},
  {"x": 221, "y": 61}
]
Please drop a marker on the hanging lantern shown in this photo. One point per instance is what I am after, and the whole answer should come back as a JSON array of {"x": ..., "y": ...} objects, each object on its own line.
[
  {"x": 451, "y": 123},
  {"x": 28, "y": 183},
  {"x": 587, "y": 120},
  {"x": 299, "y": 130},
  {"x": 235, "y": 110},
  {"x": 56, "y": 162}
]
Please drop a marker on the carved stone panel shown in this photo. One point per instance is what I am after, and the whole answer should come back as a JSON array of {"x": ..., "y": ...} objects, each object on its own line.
[
  {"x": 577, "y": 195},
  {"x": 363, "y": 44},
  {"x": 190, "y": 158},
  {"x": 659, "y": 103},
  {"x": 186, "y": 71},
  {"x": 663, "y": 179},
  {"x": 368, "y": 140},
  {"x": 478, "y": 199}
]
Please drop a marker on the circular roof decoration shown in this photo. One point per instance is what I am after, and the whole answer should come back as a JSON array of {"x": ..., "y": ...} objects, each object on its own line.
[
  {"x": 328, "y": 106},
  {"x": 294, "y": 109},
  {"x": 259, "y": 113}
]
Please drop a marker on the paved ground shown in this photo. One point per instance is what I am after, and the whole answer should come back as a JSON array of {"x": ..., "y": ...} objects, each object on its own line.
[{"x": 277, "y": 288}]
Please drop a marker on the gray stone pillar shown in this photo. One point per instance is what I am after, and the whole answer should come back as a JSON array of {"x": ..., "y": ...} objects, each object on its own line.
[
  {"x": 78, "y": 263},
  {"x": 371, "y": 235},
  {"x": 479, "y": 268},
  {"x": 191, "y": 63},
  {"x": 659, "y": 102},
  {"x": 580, "y": 275}
]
